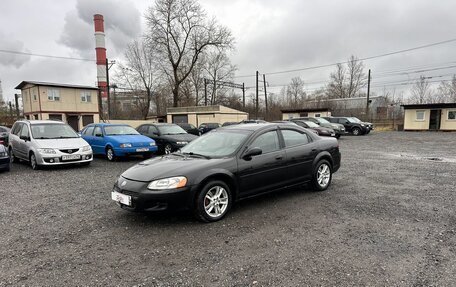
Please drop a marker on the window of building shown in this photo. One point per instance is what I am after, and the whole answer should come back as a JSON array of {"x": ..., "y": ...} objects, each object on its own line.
[
  {"x": 292, "y": 138},
  {"x": 34, "y": 97},
  {"x": 55, "y": 117},
  {"x": 86, "y": 97},
  {"x": 420, "y": 115},
  {"x": 317, "y": 115},
  {"x": 267, "y": 142},
  {"x": 35, "y": 116},
  {"x": 87, "y": 119},
  {"x": 53, "y": 94},
  {"x": 452, "y": 115}
]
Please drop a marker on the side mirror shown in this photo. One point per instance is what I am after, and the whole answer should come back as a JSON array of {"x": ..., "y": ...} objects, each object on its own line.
[
  {"x": 25, "y": 138},
  {"x": 155, "y": 133},
  {"x": 252, "y": 152},
  {"x": 99, "y": 135}
]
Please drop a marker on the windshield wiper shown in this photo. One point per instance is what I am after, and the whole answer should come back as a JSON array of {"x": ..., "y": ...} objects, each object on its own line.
[
  {"x": 197, "y": 154},
  {"x": 65, "y": 137},
  {"x": 42, "y": 138}
]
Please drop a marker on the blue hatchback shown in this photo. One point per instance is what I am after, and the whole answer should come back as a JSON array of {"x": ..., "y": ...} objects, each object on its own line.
[{"x": 116, "y": 140}]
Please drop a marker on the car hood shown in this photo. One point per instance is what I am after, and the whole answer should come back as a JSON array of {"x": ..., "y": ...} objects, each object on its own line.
[
  {"x": 179, "y": 137},
  {"x": 168, "y": 166},
  {"x": 130, "y": 139},
  {"x": 61, "y": 143}
]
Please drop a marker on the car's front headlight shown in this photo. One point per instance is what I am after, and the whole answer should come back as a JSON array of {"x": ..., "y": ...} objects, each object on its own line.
[
  {"x": 152, "y": 144},
  {"x": 86, "y": 148},
  {"x": 3, "y": 154},
  {"x": 46, "y": 150},
  {"x": 168, "y": 183},
  {"x": 363, "y": 125},
  {"x": 181, "y": 143},
  {"x": 124, "y": 145}
]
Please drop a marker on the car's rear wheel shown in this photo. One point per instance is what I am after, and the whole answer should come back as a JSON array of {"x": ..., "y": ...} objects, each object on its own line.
[
  {"x": 110, "y": 155},
  {"x": 213, "y": 201},
  {"x": 167, "y": 149},
  {"x": 322, "y": 175},
  {"x": 33, "y": 162},
  {"x": 356, "y": 131}
]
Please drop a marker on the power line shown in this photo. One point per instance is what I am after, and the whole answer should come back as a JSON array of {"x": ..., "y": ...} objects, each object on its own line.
[
  {"x": 361, "y": 59},
  {"x": 45, "y": 56}
]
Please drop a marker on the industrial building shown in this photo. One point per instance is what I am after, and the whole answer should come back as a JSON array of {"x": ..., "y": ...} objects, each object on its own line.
[
  {"x": 430, "y": 117},
  {"x": 204, "y": 114},
  {"x": 297, "y": 113}
]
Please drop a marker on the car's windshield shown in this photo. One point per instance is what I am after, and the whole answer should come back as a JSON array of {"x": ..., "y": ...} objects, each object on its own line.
[
  {"x": 120, "y": 130},
  {"x": 356, "y": 120},
  {"x": 52, "y": 131},
  {"x": 322, "y": 121},
  {"x": 171, "y": 130},
  {"x": 216, "y": 144},
  {"x": 311, "y": 124}
]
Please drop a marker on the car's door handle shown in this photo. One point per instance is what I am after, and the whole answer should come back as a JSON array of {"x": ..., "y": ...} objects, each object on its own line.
[
  {"x": 314, "y": 149},
  {"x": 279, "y": 157}
]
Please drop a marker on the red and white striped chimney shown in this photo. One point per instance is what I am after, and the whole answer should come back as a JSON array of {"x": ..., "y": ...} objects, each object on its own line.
[{"x": 101, "y": 54}]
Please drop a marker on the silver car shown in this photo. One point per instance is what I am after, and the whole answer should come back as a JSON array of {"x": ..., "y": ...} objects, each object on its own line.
[{"x": 47, "y": 143}]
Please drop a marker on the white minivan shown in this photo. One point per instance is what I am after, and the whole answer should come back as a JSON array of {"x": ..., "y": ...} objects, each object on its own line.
[{"x": 47, "y": 143}]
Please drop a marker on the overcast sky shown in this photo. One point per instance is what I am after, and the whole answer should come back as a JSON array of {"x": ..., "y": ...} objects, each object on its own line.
[{"x": 271, "y": 36}]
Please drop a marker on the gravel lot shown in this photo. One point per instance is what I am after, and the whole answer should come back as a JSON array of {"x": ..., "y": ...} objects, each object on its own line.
[{"x": 388, "y": 219}]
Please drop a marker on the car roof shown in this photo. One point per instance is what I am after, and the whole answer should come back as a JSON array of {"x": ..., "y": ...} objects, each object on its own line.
[
  {"x": 107, "y": 124},
  {"x": 254, "y": 127},
  {"x": 37, "y": 122}
]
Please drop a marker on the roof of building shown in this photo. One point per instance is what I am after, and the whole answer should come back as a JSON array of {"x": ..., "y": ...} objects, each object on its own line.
[
  {"x": 24, "y": 83},
  {"x": 305, "y": 110},
  {"x": 430, "y": 106}
]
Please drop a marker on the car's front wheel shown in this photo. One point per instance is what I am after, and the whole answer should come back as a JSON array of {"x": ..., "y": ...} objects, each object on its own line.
[
  {"x": 110, "y": 155},
  {"x": 33, "y": 162},
  {"x": 167, "y": 149},
  {"x": 213, "y": 201},
  {"x": 322, "y": 175},
  {"x": 12, "y": 156},
  {"x": 356, "y": 131}
]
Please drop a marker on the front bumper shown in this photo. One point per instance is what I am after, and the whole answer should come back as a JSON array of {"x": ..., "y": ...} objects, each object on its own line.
[
  {"x": 143, "y": 199},
  {"x": 58, "y": 158},
  {"x": 135, "y": 150},
  {"x": 4, "y": 162}
]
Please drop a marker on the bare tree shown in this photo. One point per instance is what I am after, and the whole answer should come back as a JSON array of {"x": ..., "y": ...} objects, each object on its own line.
[
  {"x": 218, "y": 68},
  {"x": 421, "y": 91},
  {"x": 347, "y": 82},
  {"x": 448, "y": 90},
  {"x": 197, "y": 79},
  {"x": 139, "y": 74},
  {"x": 180, "y": 32},
  {"x": 295, "y": 92}
]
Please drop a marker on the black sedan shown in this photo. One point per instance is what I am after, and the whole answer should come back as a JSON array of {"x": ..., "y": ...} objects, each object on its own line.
[
  {"x": 189, "y": 128},
  {"x": 168, "y": 137},
  {"x": 207, "y": 127},
  {"x": 212, "y": 172},
  {"x": 322, "y": 131},
  {"x": 5, "y": 161}
]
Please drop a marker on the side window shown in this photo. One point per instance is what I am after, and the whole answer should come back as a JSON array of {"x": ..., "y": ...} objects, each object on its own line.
[
  {"x": 89, "y": 131},
  {"x": 24, "y": 131},
  {"x": 268, "y": 142},
  {"x": 153, "y": 129},
  {"x": 142, "y": 129},
  {"x": 342, "y": 121},
  {"x": 98, "y": 131},
  {"x": 16, "y": 129},
  {"x": 293, "y": 138}
]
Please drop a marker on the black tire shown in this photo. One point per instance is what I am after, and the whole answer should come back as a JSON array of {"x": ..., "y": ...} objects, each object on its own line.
[
  {"x": 33, "y": 162},
  {"x": 147, "y": 155},
  {"x": 321, "y": 178},
  {"x": 356, "y": 131},
  {"x": 203, "y": 210},
  {"x": 110, "y": 155},
  {"x": 337, "y": 136},
  {"x": 12, "y": 156},
  {"x": 167, "y": 149}
]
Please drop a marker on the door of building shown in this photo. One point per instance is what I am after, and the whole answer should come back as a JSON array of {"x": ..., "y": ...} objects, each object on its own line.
[
  {"x": 434, "y": 120},
  {"x": 73, "y": 121},
  {"x": 177, "y": 119}
]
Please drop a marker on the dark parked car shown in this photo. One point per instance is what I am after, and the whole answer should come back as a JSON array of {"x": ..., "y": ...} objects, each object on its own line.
[
  {"x": 369, "y": 125},
  {"x": 350, "y": 125},
  {"x": 168, "y": 137},
  {"x": 189, "y": 128},
  {"x": 5, "y": 160},
  {"x": 212, "y": 172},
  {"x": 4, "y": 131},
  {"x": 338, "y": 128},
  {"x": 206, "y": 127},
  {"x": 322, "y": 131}
]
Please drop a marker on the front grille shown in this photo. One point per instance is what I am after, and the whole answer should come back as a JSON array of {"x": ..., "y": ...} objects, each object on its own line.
[{"x": 69, "y": 151}]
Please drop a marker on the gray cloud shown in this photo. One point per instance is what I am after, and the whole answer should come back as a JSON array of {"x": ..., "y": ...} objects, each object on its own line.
[
  {"x": 10, "y": 44},
  {"x": 122, "y": 24}
]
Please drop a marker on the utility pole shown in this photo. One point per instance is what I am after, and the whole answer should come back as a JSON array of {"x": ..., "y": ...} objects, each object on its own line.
[
  {"x": 16, "y": 100},
  {"x": 256, "y": 96},
  {"x": 10, "y": 108},
  {"x": 368, "y": 93},
  {"x": 243, "y": 95},
  {"x": 205, "y": 92},
  {"x": 265, "y": 97},
  {"x": 107, "y": 89}
]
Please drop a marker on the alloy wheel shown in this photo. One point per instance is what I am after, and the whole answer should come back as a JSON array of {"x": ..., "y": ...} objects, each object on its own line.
[
  {"x": 33, "y": 162},
  {"x": 216, "y": 201},
  {"x": 323, "y": 175},
  {"x": 168, "y": 149},
  {"x": 110, "y": 154}
]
